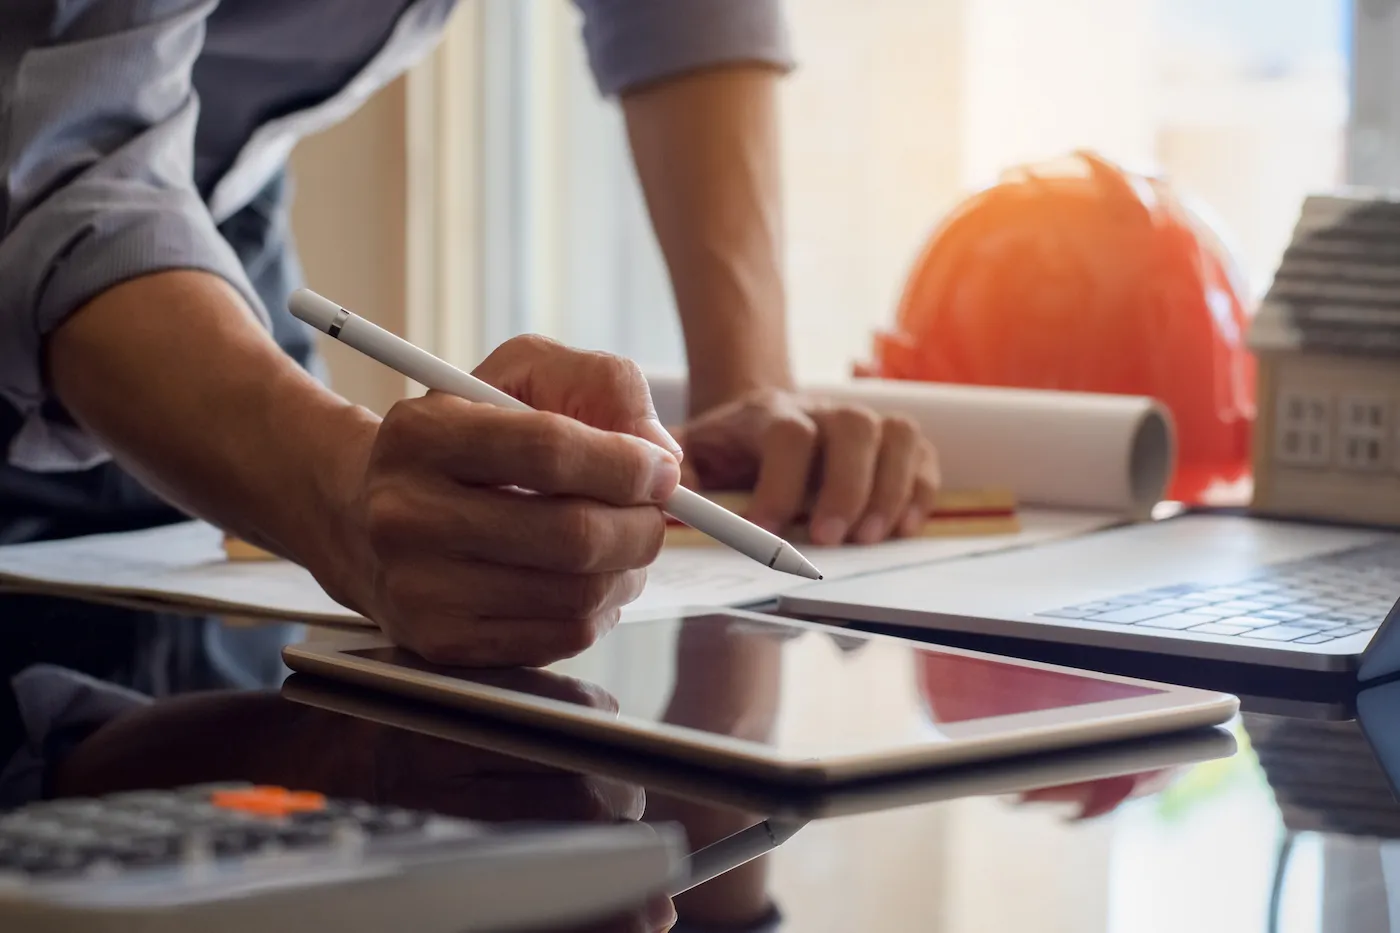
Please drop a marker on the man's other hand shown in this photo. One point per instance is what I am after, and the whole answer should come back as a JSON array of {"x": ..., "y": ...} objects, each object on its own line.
[{"x": 872, "y": 477}]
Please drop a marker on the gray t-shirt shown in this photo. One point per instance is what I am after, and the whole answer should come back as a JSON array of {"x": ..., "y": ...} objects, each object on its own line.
[{"x": 130, "y": 128}]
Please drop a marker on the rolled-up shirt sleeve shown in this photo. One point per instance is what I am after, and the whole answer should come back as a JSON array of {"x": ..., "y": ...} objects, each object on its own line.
[
  {"x": 97, "y": 123},
  {"x": 636, "y": 42}
]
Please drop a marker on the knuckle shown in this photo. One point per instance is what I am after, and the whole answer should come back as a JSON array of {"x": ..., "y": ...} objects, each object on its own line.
[
  {"x": 578, "y": 536},
  {"x": 794, "y": 431},
  {"x": 389, "y": 517},
  {"x": 853, "y": 421},
  {"x": 652, "y": 536},
  {"x": 532, "y": 345},
  {"x": 621, "y": 376},
  {"x": 546, "y": 445},
  {"x": 586, "y": 594},
  {"x": 901, "y": 429},
  {"x": 575, "y": 636},
  {"x": 433, "y": 648}
]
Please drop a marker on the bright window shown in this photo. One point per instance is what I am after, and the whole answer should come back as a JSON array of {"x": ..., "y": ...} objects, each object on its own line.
[{"x": 897, "y": 111}]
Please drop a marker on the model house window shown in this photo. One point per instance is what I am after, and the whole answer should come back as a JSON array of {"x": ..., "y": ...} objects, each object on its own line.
[{"x": 900, "y": 109}]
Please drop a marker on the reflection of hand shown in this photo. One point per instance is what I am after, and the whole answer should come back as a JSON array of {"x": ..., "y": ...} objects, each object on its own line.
[
  {"x": 262, "y": 738},
  {"x": 960, "y": 688},
  {"x": 456, "y": 560},
  {"x": 727, "y": 682},
  {"x": 874, "y": 476},
  {"x": 657, "y": 916},
  {"x": 1095, "y": 798},
  {"x": 727, "y": 678}
]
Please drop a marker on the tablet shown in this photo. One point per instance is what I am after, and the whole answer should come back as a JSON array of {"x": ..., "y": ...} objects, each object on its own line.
[
  {"x": 785, "y": 700},
  {"x": 1146, "y": 759}
]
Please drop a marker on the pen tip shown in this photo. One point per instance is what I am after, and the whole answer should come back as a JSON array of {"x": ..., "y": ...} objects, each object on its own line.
[{"x": 790, "y": 560}]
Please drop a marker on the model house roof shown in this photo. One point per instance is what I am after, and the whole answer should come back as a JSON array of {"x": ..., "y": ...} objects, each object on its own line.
[{"x": 1338, "y": 286}]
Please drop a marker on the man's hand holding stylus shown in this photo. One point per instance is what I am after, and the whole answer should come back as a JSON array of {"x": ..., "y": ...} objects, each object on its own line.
[{"x": 463, "y": 565}]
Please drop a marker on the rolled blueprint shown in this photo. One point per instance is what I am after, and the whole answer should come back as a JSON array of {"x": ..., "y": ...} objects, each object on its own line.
[{"x": 1075, "y": 450}]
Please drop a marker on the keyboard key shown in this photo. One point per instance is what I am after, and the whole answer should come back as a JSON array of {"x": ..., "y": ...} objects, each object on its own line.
[
  {"x": 1193, "y": 600},
  {"x": 1177, "y": 620},
  {"x": 1320, "y": 638},
  {"x": 1130, "y": 615},
  {"x": 1280, "y": 615},
  {"x": 1251, "y": 622},
  {"x": 1208, "y": 614},
  {"x": 1271, "y": 601},
  {"x": 1319, "y": 625},
  {"x": 1240, "y": 607},
  {"x": 1177, "y": 604},
  {"x": 1217, "y": 628},
  {"x": 1279, "y": 633},
  {"x": 1308, "y": 609},
  {"x": 1343, "y": 632}
]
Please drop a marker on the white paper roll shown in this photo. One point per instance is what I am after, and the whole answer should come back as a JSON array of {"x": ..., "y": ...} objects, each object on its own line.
[{"x": 1062, "y": 449}]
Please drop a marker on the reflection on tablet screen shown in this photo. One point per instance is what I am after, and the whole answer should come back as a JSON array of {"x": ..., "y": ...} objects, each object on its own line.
[{"x": 794, "y": 688}]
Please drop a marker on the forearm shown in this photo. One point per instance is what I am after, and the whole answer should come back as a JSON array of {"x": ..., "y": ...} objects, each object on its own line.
[
  {"x": 175, "y": 376},
  {"x": 706, "y": 149}
]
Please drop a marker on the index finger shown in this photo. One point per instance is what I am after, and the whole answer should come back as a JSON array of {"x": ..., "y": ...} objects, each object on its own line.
[{"x": 481, "y": 445}]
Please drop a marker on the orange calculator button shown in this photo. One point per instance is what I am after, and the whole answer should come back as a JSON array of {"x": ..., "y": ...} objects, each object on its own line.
[{"x": 268, "y": 801}]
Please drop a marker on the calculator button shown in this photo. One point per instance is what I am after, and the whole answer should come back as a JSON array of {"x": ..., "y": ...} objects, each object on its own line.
[
  {"x": 391, "y": 821},
  {"x": 57, "y": 862},
  {"x": 268, "y": 801},
  {"x": 299, "y": 835},
  {"x": 141, "y": 853},
  {"x": 243, "y": 840}
]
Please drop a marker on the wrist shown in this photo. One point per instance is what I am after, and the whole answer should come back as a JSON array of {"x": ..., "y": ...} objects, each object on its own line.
[
  {"x": 340, "y": 557},
  {"x": 707, "y": 391},
  {"x": 316, "y": 526}
]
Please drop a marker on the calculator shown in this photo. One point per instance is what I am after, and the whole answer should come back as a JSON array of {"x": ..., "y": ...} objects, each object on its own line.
[{"x": 243, "y": 857}]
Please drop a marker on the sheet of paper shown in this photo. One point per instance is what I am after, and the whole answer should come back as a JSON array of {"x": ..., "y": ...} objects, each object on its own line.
[
  {"x": 181, "y": 564},
  {"x": 1072, "y": 450},
  {"x": 699, "y": 576},
  {"x": 184, "y": 566}
]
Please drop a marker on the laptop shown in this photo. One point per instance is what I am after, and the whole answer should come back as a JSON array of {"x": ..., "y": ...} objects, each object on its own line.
[{"x": 1229, "y": 588}]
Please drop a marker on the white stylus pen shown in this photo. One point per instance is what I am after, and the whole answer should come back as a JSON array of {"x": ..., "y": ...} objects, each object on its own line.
[{"x": 428, "y": 370}]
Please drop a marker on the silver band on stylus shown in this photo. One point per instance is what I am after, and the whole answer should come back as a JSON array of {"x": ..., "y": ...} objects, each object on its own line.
[{"x": 338, "y": 322}]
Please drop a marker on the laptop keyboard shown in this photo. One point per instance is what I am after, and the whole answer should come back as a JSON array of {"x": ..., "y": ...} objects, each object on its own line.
[{"x": 1306, "y": 602}]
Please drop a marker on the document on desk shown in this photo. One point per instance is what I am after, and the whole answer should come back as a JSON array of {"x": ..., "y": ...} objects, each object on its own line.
[
  {"x": 1074, "y": 462},
  {"x": 180, "y": 565},
  {"x": 184, "y": 567},
  {"x": 701, "y": 576}
]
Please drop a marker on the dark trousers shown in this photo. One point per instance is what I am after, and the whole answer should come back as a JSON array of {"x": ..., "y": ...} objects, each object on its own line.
[{"x": 156, "y": 653}]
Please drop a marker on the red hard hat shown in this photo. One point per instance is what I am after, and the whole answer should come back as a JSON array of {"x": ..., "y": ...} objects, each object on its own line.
[{"x": 1081, "y": 276}]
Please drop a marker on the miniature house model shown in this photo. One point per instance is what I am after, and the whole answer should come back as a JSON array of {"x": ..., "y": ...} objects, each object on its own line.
[{"x": 1327, "y": 337}]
